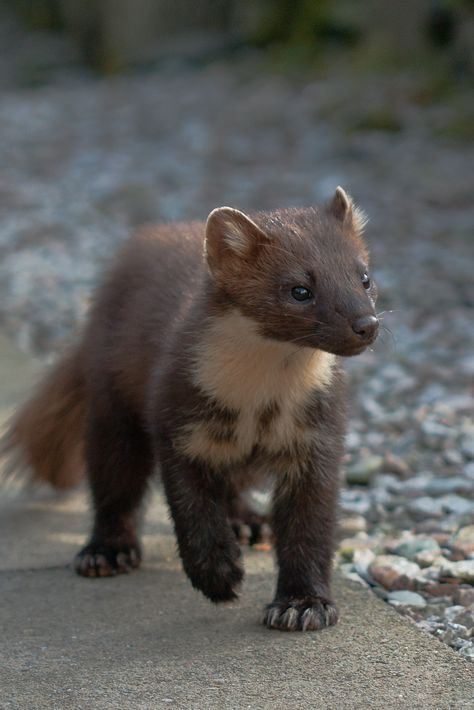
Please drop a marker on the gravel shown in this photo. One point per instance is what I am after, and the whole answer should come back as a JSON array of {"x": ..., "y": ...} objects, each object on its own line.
[{"x": 87, "y": 160}]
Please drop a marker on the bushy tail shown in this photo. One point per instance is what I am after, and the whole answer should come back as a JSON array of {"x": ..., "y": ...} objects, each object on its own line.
[{"x": 46, "y": 434}]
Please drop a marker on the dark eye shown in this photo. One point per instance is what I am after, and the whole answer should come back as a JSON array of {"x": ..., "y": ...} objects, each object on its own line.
[
  {"x": 366, "y": 281},
  {"x": 301, "y": 293}
]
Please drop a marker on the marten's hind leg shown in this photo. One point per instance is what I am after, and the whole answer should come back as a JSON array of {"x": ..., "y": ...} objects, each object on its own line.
[
  {"x": 119, "y": 463},
  {"x": 248, "y": 513}
]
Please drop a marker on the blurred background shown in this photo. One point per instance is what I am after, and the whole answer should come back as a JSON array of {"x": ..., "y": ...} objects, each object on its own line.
[{"x": 116, "y": 113}]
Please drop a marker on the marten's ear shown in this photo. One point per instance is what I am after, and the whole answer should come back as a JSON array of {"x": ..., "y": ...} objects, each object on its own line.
[
  {"x": 230, "y": 234},
  {"x": 342, "y": 207}
]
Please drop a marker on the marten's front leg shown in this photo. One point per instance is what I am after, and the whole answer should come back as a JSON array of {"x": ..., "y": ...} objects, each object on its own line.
[
  {"x": 303, "y": 524},
  {"x": 208, "y": 547}
]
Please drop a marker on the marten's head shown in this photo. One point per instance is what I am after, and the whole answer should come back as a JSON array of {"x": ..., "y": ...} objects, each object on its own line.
[{"x": 302, "y": 275}]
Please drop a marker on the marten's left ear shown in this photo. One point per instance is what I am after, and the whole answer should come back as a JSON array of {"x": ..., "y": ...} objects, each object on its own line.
[
  {"x": 342, "y": 207},
  {"x": 231, "y": 235}
]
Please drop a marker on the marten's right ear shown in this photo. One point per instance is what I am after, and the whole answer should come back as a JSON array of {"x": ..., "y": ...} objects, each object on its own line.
[{"x": 231, "y": 236}]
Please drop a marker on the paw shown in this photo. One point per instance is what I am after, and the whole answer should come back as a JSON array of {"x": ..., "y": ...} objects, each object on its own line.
[
  {"x": 308, "y": 614},
  {"x": 96, "y": 560},
  {"x": 218, "y": 576}
]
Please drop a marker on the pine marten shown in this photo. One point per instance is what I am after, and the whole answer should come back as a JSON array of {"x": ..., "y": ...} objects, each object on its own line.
[{"x": 213, "y": 351}]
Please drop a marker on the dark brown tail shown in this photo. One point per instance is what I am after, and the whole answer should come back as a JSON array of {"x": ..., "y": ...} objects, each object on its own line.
[{"x": 46, "y": 434}]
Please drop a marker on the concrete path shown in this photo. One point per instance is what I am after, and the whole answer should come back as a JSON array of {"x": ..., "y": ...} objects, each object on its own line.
[{"x": 148, "y": 640}]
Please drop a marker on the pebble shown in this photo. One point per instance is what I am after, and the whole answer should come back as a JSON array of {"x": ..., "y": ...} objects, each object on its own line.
[
  {"x": 469, "y": 469},
  {"x": 467, "y": 447},
  {"x": 361, "y": 472},
  {"x": 467, "y": 650},
  {"x": 451, "y": 612},
  {"x": 464, "y": 595},
  {"x": 393, "y": 572},
  {"x": 453, "y": 634},
  {"x": 410, "y": 548},
  {"x": 463, "y": 540},
  {"x": 355, "y": 501},
  {"x": 406, "y": 598},
  {"x": 436, "y": 434},
  {"x": 362, "y": 559},
  {"x": 395, "y": 464},
  {"x": 426, "y": 558},
  {"x": 466, "y": 617},
  {"x": 456, "y": 504},
  {"x": 350, "y": 525},
  {"x": 450, "y": 484},
  {"x": 425, "y": 507},
  {"x": 463, "y": 570}
]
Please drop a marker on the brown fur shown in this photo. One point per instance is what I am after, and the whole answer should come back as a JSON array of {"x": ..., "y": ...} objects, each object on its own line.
[{"x": 197, "y": 356}]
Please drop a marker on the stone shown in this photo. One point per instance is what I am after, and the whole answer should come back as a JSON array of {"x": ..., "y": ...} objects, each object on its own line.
[
  {"x": 410, "y": 548},
  {"x": 453, "y": 633},
  {"x": 464, "y": 595},
  {"x": 430, "y": 627},
  {"x": 361, "y": 472},
  {"x": 435, "y": 435},
  {"x": 463, "y": 540},
  {"x": 362, "y": 559},
  {"x": 402, "y": 597},
  {"x": 417, "y": 483},
  {"x": 463, "y": 570},
  {"x": 439, "y": 589},
  {"x": 355, "y": 501},
  {"x": 469, "y": 469},
  {"x": 467, "y": 650},
  {"x": 349, "y": 545},
  {"x": 466, "y": 617},
  {"x": 425, "y": 507},
  {"x": 467, "y": 447},
  {"x": 395, "y": 464},
  {"x": 453, "y": 457},
  {"x": 393, "y": 572},
  {"x": 353, "y": 440},
  {"x": 456, "y": 504},
  {"x": 448, "y": 484},
  {"x": 426, "y": 558},
  {"x": 350, "y": 525},
  {"x": 451, "y": 612}
]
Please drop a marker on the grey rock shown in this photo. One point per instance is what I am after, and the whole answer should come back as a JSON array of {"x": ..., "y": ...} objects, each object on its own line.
[
  {"x": 467, "y": 650},
  {"x": 466, "y": 618},
  {"x": 454, "y": 634},
  {"x": 464, "y": 595},
  {"x": 451, "y": 612},
  {"x": 355, "y": 501},
  {"x": 403, "y": 597},
  {"x": 463, "y": 540},
  {"x": 453, "y": 457},
  {"x": 449, "y": 484},
  {"x": 464, "y": 569},
  {"x": 361, "y": 561},
  {"x": 436, "y": 435},
  {"x": 467, "y": 447},
  {"x": 410, "y": 548},
  {"x": 426, "y": 507},
  {"x": 456, "y": 504},
  {"x": 360, "y": 472}
]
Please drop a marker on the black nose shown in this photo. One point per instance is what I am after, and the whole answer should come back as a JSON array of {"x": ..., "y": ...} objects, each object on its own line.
[{"x": 365, "y": 327}]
